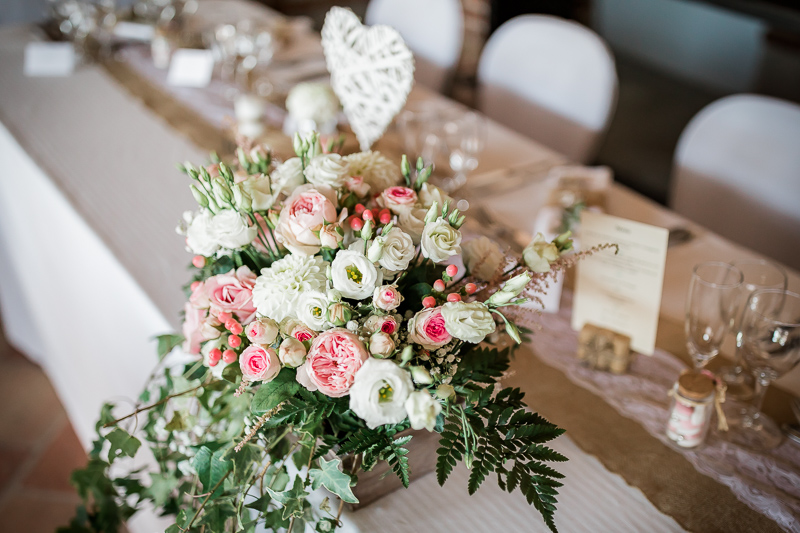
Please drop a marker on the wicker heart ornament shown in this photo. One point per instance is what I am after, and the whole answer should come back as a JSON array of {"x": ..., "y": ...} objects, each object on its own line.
[{"x": 372, "y": 71}]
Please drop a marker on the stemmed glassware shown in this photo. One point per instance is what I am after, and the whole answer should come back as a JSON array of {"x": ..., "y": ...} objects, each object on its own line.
[
  {"x": 713, "y": 299},
  {"x": 758, "y": 274},
  {"x": 769, "y": 342},
  {"x": 465, "y": 137}
]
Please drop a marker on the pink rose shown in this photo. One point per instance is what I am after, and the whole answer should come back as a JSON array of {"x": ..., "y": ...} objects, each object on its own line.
[
  {"x": 386, "y": 324},
  {"x": 386, "y": 297},
  {"x": 262, "y": 331},
  {"x": 259, "y": 363},
  {"x": 427, "y": 329},
  {"x": 232, "y": 293},
  {"x": 192, "y": 328},
  {"x": 398, "y": 199},
  {"x": 199, "y": 297},
  {"x": 332, "y": 362},
  {"x": 303, "y": 214},
  {"x": 357, "y": 185},
  {"x": 303, "y": 333}
]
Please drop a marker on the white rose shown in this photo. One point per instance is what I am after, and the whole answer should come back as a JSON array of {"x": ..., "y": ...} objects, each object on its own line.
[
  {"x": 470, "y": 322},
  {"x": 440, "y": 240},
  {"x": 539, "y": 254},
  {"x": 422, "y": 410},
  {"x": 413, "y": 222},
  {"x": 311, "y": 309},
  {"x": 230, "y": 230},
  {"x": 354, "y": 275},
  {"x": 292, "y": 352},
  {"x": 288, "y": 176},
  {"x": 482, "y": 257},
  {"x": 381, "y": 345},
  {"x": 398, "y": 250},
  {"x": 198, "y": 238},
  {"x": 429, "y": 193},
  {"x": 379, "y": 392},
  {"x": 312, "y": 101},
  {"x": 260, "y": 190},
  {"x": 327, "y": 169}
]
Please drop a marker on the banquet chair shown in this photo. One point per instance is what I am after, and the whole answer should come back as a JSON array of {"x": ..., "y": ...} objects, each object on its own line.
[
  {"x": 736, "y": 171},
  {"x": 433, "y": 31},
  {"x": 550, "y": 79}
]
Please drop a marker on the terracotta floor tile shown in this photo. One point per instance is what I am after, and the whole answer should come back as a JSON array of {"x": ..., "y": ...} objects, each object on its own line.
[
  {"x": 36, "y": 512},
  {"x": 11, "y": 459},
  {"x": 53, "y": 468}
]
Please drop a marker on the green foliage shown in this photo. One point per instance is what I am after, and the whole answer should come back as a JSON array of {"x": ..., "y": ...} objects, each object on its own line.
[
  {"x": 331, "y": 476},
  {"x": 166, "y": 343},
  {"x": 122, "y": 443},
  {"x": 271, "y": 394}
]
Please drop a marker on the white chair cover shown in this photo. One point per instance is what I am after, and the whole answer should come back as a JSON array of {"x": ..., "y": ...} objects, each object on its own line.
[
  {"x": 737, "y": 172},
  {"x": 550, "y": 79},
  {"x": 432, "y": 29}
]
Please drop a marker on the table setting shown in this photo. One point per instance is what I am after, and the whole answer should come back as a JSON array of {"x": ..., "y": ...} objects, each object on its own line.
[{"x": 392, "y": 302}]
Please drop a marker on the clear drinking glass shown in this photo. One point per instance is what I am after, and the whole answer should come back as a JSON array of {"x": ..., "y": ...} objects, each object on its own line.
[
  {"x": 713, "y": 299},
  {"x": 419, "y": 127},
  {"x": 465, "y": 137},
  {"x": 758, "y": 274},
  {"x": 770, "y": 347}
]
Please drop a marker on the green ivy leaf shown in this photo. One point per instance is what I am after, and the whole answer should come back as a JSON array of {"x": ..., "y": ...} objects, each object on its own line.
[
  {"x": 211, "y": 467},
  {"x": 177, "y": 423},
  {"x": 161, "y": 486},
  {"x": 217, "y": 514},
  {"x": 332, "y": 478},
  {"x": 122, "y": 443},
  {"x": 292, "y": 499},
  {"x": 269, "y": 395},
  {"x": 166, "y": 343},
  {"x": 232, "y": 373}
]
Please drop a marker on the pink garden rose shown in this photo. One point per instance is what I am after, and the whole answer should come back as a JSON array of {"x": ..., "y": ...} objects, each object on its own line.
[
  {"x": 357, "y": 185},
  {"x": 303, "y": 333},
  {"x": 332, "y": 362},
  {"x": 386, "y": 297},
  {"x": 304, "y": 213},
  {"x": 259, "y": 363},
  {"x": 386, "y": 324},
  {"x": 199, "y": 296},
  {"x": 232, "y": 293},
  {"x": 262, "y": 331},
  {"x": 398, "y": 199},
  {"x": 427, "y": 329}
]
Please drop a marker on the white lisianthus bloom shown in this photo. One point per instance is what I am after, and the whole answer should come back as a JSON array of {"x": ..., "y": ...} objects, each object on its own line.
[
  {"x": 312, "y": 101},
  {"x": 354, "y": 275},
  {"x": 378, "y": 171},
  {"x": 198, "y": 238},
  {"x": 311, "y": 309},
  {"x": 539, "y": 254},
  {"x": 327, "y": 169},
  {"x": 482, "y": 257},
  {"x": 422, "y": 410},
  {"x": 430, "y": 193},
  {"x": 260, "y": 190},
  {"x": 398, "y": 250},
  {"x": 470, "y": 322},
  {"x": 230, "y": 230},
  {"x": 379, "y": 392},
  {"x": 278, "y": 289},
  {"x": 440, "y": 240},
  {"x": 288, "y": 176},
  {"x": 413, "y": 222}
]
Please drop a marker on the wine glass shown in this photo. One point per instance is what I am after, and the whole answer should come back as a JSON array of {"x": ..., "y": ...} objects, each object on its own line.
[
  {"x": 418, "y": 126},
  {"x": 770, "y": 346},
  {"x": 758, "y": 274},
  {"x": 465, "y": 137},
  {"x": 713, "y": 299}
]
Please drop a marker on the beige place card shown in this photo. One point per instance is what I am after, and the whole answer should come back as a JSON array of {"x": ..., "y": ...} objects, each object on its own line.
[
  {"x": 621, "y": 292},
  {"x": 191, "y": 68}
]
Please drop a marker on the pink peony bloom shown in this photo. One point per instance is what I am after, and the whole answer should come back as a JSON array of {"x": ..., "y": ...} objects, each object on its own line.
[
  {"x": 332, "y": 362},
  {"x": 427, "y": 329},
  {"x": 232, "y": 293},
  {"x": 259, "y": 363},
  {"x": 398, "y": 199},
  {"x": 303, "y": 214},
  {"x": 192, "y": 328}
]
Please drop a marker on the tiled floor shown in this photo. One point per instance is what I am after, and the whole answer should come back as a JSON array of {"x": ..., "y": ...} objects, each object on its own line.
[{"x": 38, "y": 449}]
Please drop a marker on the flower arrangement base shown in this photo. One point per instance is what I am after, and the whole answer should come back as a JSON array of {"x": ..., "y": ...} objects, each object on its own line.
[{"x": 380, "y": 481}]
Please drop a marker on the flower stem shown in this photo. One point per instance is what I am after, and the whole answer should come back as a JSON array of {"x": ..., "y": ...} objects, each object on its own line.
[{"x": 147, "y": 407}]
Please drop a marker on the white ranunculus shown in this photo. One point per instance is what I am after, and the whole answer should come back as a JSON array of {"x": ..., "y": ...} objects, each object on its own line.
[
  {"x": 379, "y": 392},
  {"x": 378, "y": 171},
  {"x": 470, "y": 322},
  {"x": 278, "y": 289},
  {"x": 198, "y": 238},
  {"x": 312, "y": 101},
  {"x": 311, "y": 309},
  {"x": 230, "y": 230},
  {"x": 422, "y": 410},
  {"x": 288, "y": 176},
  {"x": 398, "y": 250},
  {"x": 354, "y": 275},
  {"x": 539, "y": 254},
  {"x": 440, "y": 240},
  {"x": 413, "y": 222},
  {"x": 260, "y": 190},
  {"x": 429, "y": 193},
  {"x": 482, "y": 257},
  {"x": 327, "y": 169}
]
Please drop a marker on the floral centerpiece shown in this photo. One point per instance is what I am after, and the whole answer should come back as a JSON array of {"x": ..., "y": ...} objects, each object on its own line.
[{"x": 329, "y": 315}]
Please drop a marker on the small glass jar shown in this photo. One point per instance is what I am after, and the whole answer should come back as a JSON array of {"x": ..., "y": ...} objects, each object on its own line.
[{"x": 690, "y": 410}]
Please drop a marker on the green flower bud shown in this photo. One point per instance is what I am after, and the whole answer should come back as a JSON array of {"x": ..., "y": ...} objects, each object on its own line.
[
  {"x": 375, "y": 250},
  {"x": 339, "y": 314},
  {"x": 201, "y": 198},
  {"x": 445, "y": 391},
  {"x": 420, "y": 375},
  {"x": 433, "y": 213},
  {"x": 366, "y": 231},
  {"x": 407, "y": 354},
  {"x": 404, "y": 167}
]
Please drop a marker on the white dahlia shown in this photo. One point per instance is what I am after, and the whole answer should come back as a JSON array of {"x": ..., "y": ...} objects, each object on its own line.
[{"x": 278, "y": 289}]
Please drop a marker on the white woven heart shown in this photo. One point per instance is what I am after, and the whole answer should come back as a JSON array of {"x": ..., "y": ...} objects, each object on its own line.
[{"x": 372, "y": 71}]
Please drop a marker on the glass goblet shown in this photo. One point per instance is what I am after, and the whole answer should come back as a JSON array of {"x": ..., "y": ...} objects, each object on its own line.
[
  {"x": 465, "y": 137},
  {"x": 713, "y": 299}
]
